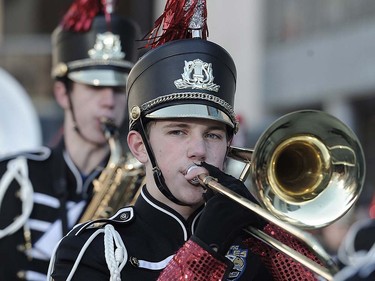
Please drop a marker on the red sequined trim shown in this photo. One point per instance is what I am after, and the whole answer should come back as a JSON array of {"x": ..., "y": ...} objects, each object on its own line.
[
  {"x": 192, "y": 262},
  {"x": 281, "y": 266}
]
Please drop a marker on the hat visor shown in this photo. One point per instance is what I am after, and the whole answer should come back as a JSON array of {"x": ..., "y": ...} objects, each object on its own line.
[
  {"x": 99, "y": 77},
  {"x": 191, "y": 111}
]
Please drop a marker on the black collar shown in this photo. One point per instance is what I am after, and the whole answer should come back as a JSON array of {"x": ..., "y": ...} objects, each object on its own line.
[{"x": 163, "y": 217}]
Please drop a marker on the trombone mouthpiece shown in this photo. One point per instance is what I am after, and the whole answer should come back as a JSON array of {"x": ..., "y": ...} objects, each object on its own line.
[
  {"x": 195, "y": 180},
  {"x": 192, "y": 167}
]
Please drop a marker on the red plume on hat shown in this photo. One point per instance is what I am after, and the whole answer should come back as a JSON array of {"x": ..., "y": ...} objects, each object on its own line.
[
  {"x": 181, "y": 19},
  {"x": 183, "y": 75},
  {"x": 81, "y": 14}
]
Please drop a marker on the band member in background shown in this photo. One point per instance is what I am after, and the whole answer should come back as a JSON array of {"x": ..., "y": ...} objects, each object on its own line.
[
  {"x": 44, "y": 192},
  {"x": 357, "y": 252},
  {"x": 182, "y": 121}
]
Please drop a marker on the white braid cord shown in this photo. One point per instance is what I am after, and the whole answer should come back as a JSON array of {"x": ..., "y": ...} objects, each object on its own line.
[
  {"x": 363, "y": 265},
  {"x": 116, "y": 255},
  {"x": 115, "y": 258},
  {"x": 17, "y": 169}
]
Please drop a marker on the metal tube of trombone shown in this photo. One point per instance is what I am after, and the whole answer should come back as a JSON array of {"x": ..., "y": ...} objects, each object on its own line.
[{"x": 208, "y": 181}]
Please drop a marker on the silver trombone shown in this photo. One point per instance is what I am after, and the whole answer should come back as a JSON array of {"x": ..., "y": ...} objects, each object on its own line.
[{"x": 308, "y": 170}]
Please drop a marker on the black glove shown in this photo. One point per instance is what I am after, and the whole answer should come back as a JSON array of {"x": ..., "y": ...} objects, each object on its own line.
[{"x": 222, "y": 218}]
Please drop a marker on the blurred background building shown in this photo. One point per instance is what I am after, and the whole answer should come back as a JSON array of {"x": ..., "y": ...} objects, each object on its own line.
[{"x": 290, "y": 55}]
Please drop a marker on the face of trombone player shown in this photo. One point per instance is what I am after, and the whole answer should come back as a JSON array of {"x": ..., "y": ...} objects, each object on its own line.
[{"x": 178, "y": 144}]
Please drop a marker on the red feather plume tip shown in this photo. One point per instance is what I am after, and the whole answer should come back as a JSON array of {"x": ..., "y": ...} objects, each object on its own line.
[
  {"x": 81, "y": 14},
  {"x": 176, "y": 22}
]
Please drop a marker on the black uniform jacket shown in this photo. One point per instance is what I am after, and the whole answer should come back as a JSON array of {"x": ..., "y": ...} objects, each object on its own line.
[
  {"x": 151, "y": 234},
  {"x": 54, "y": 192}
]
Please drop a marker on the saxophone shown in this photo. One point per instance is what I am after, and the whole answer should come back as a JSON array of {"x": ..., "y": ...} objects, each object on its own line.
[{"x": 120, "y": 181}]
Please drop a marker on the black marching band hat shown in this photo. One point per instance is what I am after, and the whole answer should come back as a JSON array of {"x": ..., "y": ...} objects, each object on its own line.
[
  {"x": 93, "y": 45},
  {"x": 183, "y": 75}
]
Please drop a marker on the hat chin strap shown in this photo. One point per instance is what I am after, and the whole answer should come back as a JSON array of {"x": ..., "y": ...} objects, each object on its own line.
[{"x": 158, "y": 176}]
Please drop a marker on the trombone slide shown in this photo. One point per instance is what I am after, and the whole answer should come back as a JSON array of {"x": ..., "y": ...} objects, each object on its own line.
[{"x": 308, "y": 239}]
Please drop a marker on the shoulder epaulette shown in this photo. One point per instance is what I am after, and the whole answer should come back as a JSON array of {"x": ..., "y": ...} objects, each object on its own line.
[{"x": 124, "y": 215}]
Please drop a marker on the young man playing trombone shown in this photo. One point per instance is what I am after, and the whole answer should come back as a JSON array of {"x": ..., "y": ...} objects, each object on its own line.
[{"x": 180, "y": 103}]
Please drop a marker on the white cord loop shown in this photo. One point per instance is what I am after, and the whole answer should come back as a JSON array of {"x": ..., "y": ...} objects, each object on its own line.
[
  {"x": 360, "y": 262},
  {"x": 17, "y": 169},
  {"x": 115, "y": 252}
]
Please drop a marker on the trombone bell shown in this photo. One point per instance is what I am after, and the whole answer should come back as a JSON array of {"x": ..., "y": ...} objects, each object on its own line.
[
  {"x": 300, "y": 169},
  {"x": 307, "y": 168}
]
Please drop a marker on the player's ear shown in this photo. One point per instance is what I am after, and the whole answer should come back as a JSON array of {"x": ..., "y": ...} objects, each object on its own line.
[
  {"x": 61, "y": 94},
  {"x": 137, "y": 146}
]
